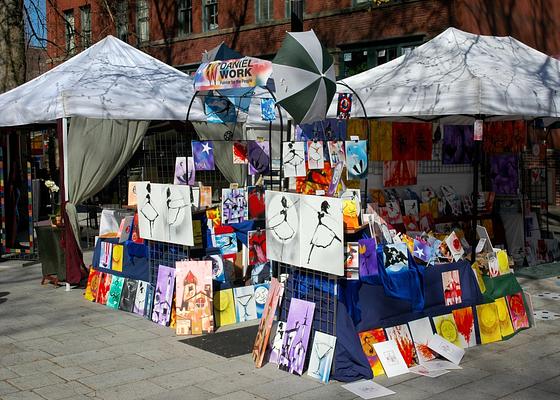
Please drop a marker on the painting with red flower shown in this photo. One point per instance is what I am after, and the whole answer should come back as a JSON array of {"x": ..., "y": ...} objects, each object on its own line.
[
  {"x": 367, "y": 339},
  {"x": 257, "y": 247},
  {"x": 402, "y": 336},
  {"x": 517, "y": 311},
  {"x": 240, "y": 153},
  {"x": 255, "y": 200},
  {"x": 464, "y": 319},
  {"x": 421, "y": 330}
]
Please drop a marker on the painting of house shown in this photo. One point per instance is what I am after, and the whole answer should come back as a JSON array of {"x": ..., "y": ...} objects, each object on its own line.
[{"x": 194, "y": 297}]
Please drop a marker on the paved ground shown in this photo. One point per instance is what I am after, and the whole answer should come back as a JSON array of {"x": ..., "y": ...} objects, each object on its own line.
[{"x": 55, "y": 345}]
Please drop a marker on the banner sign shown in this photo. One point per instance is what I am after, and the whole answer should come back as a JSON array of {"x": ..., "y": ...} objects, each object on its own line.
[{"x": 231, "y": 74}]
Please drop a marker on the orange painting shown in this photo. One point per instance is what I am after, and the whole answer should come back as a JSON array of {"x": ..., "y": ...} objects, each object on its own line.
[
  {"x": 464, "y": 319},
  {"x": 402, "y": 336},
  {"x": 367, "y": 339}
]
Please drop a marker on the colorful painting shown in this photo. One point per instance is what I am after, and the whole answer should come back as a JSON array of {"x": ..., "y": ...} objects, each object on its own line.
[
  {"x": 451, "y": 287},
  {"x": 316, "y": 180},
  {"x": 117, "y": 258},
  {"x": 315, "y": 154},
  {"x": 104, "y": 288},
  {"x": 239, "y": 150},
  {"x": 283, "y": 227},
  {"x": 401, "y": 335},
  {"x": 328, "y": 129},
  {"x": 395, "y": 256},
  {"x": 464, "y": 320},
  {"x": 181, "y": 175},
  {"x": 218, "y": 270},
  {"x": 399, "y": 173},
  {"x": 193, "y": 291},
  {"x": 261, "y": 294},
  {"x": 234, "y": 206},
  {"x": 455, "y": 247},
  {"x": 504, "y": 136},
  {"x": 337, "y": 151},
  {"x": 276, "y": 349},
  {"x": 224, "y": 308},
  {"x": 392, "y": 213},
  {"x": 421, "y": 331},
  {"x": 458, "y": 144},
  {"x": 356, "y": 159},
  {"x": 368, "y": 257},
  {"x": 227, "y": 243},
  {"x": 245, "y": 304},
  {"x": 506, "y": 326},
  {"x": 344, "y": 106},
  {"x": 268, "y": 113},
  {"x": 205, "y": 196},
  {"x": 422, "y": 141},
  {"x": 140, "y": 299},
  {"x": 257, "y": 247},
  {"x": 504, "y": 174},
  {"x": 92, "y": 285},
  {"x": 322, "y": 354},
  {"x": 114, "y": 296},
  {"x": 163, "y": 295},
  {"x": 128, "y": 294},
  {"x": 125, "y": 229},
  {"x": 447, "y": 329},
  {"x": 517, "y": 311},
  {"x": 422, "y": 250},
  {"x": 351, "y": 205},
  {"x": 293, "y": 157},
  {"x": 351, "y": 260},
  {"x": 368, "y": 339},
  {"x": 105, "y": 257},
  {"x": 258, "y": 154},
  {"x": 296, "y": 336},
  {"x": 488, "y": 323},
  {"x": 219, "y": 110},
  {"x": 255, "y": 201},
  {"x": 274, "y": 295},
  {"x": 203, "y": 155}
]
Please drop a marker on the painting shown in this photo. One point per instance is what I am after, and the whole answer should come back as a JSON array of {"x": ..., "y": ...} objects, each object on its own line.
[
  {"x": 132, "y": 197},
  {"x": 274, "y": 294},
  {"x": 117, "y": 257},
  {"x": 422, "y": 141},
  {"x": 205, "y": 196},
  {"x": 114, "y": 296},
  {"x": 451, "y": 287},
  {"x": 128, "y": 294},
  {"x": 458, "y": 144},
  {"x": 391, "y": 358},
  {"x": 421, "y": 331},
  {"x": 177, "y": 221},
  {"x": 488, "y": 323},
  {"x": 517, "y": 311},
  {"x": 267, "y": 109},
  {"x": 395, "y": 256},
  {"x": 352, "y": 260},
  {"x": 400, "y": 173},
  {"x": 257, "y": 247},
  {"x": 506, "y": 326},
  {"x": 344, "y": 107},
  {"x": 276, "y": 349},
  {"x": 455, "y": 247},
  {"x": 351, "y": 207},
  {"x": 392, "y": 213},
  {"x": 296, "y": 336},
  {"x": 356, "y": 159},
  {"x": 381, "y": 140},
  {"x": 368, "y": 265},
  {"x": 464, "y": 320},
  {"x": 367, "y": 340},
  {"x": 193, "y": 291},
  {"x": 245, "y": 304},
  {"x": 401, "y": 335},
  {"x": 163, "y": 295},
  {"x": 219, "y": 110},
  {"x": 447, "y": 329},
  {"x": 504, "y": 136},
  {"x": 224, "y": 308},
  {"x": 149, "y": 306},
  {"x": 104, "y": 287},
  {"x": 322, "y": 354},
  {"x": 337, "y": 152},
  {"x": 328, "y": 129},
  {"x": 255, "y": 202},
  {"x": 227, "y": 243},
  {"x": 282, "y": 227},
  {"x": 239, "y": 150},
  {"x": 105, "y": 257},
  {"x": 203, "y": 155},
  {"x": 191, "y": 171},
  {"x": 140, "y": 299},
  {"x": 411, "y": 207},
  {"x": 258, "y": 154},
  {"x": 150, "y": 200},
  {"x": 403, "y": 145},
  {"x": 315, "y": 154},
  {"x": 234, "y": 206},
  {"x": 422, "y": 250},
  {"x": 316, "y": 180},
  {"x": 261, "y": 294},
  {"x": 181, "y": 175},
  {"x": 125, "y": 229},
  {"x": 504, "y": 174},
  {"x": 218, "y": 271},
  {"x": 293, "y": 157},
  {"x": 92, "y": 285},
  {"x": 322, "y": 234}
]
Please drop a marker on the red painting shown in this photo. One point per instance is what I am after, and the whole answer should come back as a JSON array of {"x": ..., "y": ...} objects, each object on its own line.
[
  {"x": 399, "y": 173},
  {"x": 104, "y": 287},
  {"x": 403, "y": 141},
  {"x": 504, "y": 137},
  {"x": 257, "y": 247},
  {"x": 423, "y": 141}
]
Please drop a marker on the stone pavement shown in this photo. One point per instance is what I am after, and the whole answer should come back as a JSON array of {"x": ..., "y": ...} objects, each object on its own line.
[{"x": 55, "y": 345}]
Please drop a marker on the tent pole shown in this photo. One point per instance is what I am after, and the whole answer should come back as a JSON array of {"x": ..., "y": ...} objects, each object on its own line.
[
  {"x": 476, "y": 167},
  {"x": 65, "y": 156}
]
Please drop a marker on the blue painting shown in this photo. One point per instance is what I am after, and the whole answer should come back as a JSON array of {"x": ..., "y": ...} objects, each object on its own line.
[
  {"x": 203, "y": 154},
  {"x": 219, "y": 110},
  {"x": 227, "y": 243},
  {"x": 261, "y": 294},
  {"x": 267, "y": 110},
  {"x": 356, "y": 159}
]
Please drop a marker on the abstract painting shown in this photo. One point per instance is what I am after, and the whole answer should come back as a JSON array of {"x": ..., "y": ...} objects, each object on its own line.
[
  {"x": 517, "y": 311},
  {"x": 351, "y": 205},
  {"x": 128, "y": 294},
  {"x": 422, "y": 141},
  {"x": 400, "y": 173},
  {"x": 261, "y": 294},
  {"x": 282, "y": 227},
  {"x": 315, "y": 154},
  {"x": 163, "y": 295},
  {"x": 356, "y": 159},
  {"x": 274, "y": 294},
  {"x": 392, "y": 213},
  {"x": 464, "y": 320},
  {"x": 257, "y": 247},
  {"x": 395, "y": 256},
  {"x": 458, "y": 144},
  {"x": 296, "y": 336},
  {"x": 205, "y": 196},
  {"x": 276, "y": 349},
  {"x": 191, "y": 171},
  {"x": 368, "y": 257},
  {"x": 258, "y": 155},
  {"x": 227, "y": 243},
  {"x": 181, "y": 175},
  {"x": 504, "y": 174},
  {"x": 488, "y": 323},
  {"x": 322, "y": 354},
  {"x": 401, "y": 335},
  {"x": 506, "y": 327},
  {"x": 455, "y": 247},
  {"x": 140, "y": 300},
  {"x": 219, "y": 110},
  {"x": 451, "y": 287},
  {"x": 352, "y": 261},
  {"x": 239, "y": 150},
  {"x": 344, "y": 106},
  {"x": 391, "y": 358},
  {"x": 218, "y": 271},
  {"x": 447, "y": 329},
  {"x": 92, "y": 284},
  {"x": 245, "y": 303},
  {"x": 422, "y": 250},
  {"x": 255, "y": 200},
  {"x": 403, "y": 145},
  {"x": 114, "y": 296},
  {"x": 293, "y": 157},
  {"x": 234, "y": 206},
  {"x": 194, "y": 297},
  {"x": 117, "y": 258},
  {"x": 224, "y": 308},
  {"x": 421, "y": 331},
  {"x": 337, "y": 151},
  {"x": 203, "y": 155},
  {"x": 105, "y": 257},
  {"x": 315, "y": 181},
  {"x": 104, "y": 288},
  {"x": 367, "y": 340},
  {"x": 267, "y": 110},
  {"x": 380, "y": 143}
]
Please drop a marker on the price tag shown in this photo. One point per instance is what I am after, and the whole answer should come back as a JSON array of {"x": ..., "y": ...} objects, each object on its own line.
[
  {"x": 354, "y": 138},
  {"x": 478, "y": 130},
  {"x": 320, "y": 192}
]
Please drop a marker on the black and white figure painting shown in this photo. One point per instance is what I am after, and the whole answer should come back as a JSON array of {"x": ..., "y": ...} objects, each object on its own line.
[
  {"x": 322, "y": 353},
  {"x": 282, "y": 227},
  {"x": 322, "y": 234},
  {"x": 128, "y": 294},
  {"x": 245, "y": 303},
  {"x": 140, "y": 300},
  {"x": 293, "y": 157},
  {"x": 315, "y": 154},
  {"x": 149, "y": 202}
]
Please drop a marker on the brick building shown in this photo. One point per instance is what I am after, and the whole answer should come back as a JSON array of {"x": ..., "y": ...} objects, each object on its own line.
[{"x": 358, "y": 33}]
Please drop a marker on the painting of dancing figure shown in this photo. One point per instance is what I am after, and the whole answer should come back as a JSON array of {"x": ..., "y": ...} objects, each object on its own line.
[{"x": 282, "y": 227}]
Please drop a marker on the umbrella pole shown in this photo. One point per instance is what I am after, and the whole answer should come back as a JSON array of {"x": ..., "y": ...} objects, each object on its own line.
[{"x": 476, "y": 167}]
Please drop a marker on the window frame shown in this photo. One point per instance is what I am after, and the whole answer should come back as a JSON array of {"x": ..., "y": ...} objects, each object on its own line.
[
  {"x": 85, "y": 19},
  {"x": 143, "y": 20},
  {"x": 184, "y": 25},
  {"x": 70, "y": 31},
  {"x": 121, "y": 20},
  {"x": 270, "y": 7},
  {"x": 206, "y": 4}
]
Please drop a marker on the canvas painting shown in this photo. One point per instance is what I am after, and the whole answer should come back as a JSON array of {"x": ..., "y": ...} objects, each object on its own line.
[
  {"x": 193, "y": 291},
  {"x": 163, "y": 295},
  {"x": 125, "y": 228},
  {"x": 293, "y": 157},
  {"x": 227, "y": 243},
  {"x": 447, "y": 329},
  {"x": 504, "y": 174},
  {"x": 245, "y": 304},
  {"x": 205, "y": 196},
  {"x": 344, "y": 105},
  {"x": 224, "y": 308},
  {"x": 403, "y": 145},
  {"x": 395, "y": 256},
  {"x": 261, "y": 294},
  {"x": 239, "y": 150},
  {"x": 255, "y": 201},
  {"x": 356, "y": 159},
  {"x": 195, "y": 196},
  {"x": 219, "y": 110},
  {"x": 392, "y": 213},
  {"x": 92, "y": 286},
  {"x": 368, "y": 265},
  {"x": 296, "y": 336},
  {"x": 421, "y": 331},
  {"x": 451, "y": 287},
  {"x": 114, "y": 296},
  {"x": 203, "y": 155},
  {"x": 315, "y": 181},
  {"x": 411, "y": 207},
  {"x": 422, "y": 251},
  {"x": 506, "y": 326},
  {"x": 105, "y": 257},
  {"x": 315, "y": 154},
  {"x": 352, "y": 260},
  {"x": 258, "y": 153},
  {"x": 283, "y": 227},
  {"x": 391, "y": 358},
  {"x": 274, "y": 294},
  {"x": 132, "y": 197},
  {"x": 117, "y": 257},
  {"x": 234, "y": 206},
  {"x": 322, "y": 234},
  {"x": 191, "y": 171},
  {"x": 379, "y": 131},
  {"x": 150, "y": 218},
  {"x": 257, "y": 247},
  {"x": 337, "y": 151},
  {"x": 401, "y": 335},
  {"x": 267, "y": 110},
  {"x": 517, "y": 311},
  {"x": 104, "y": 288},
  {"x": 399, "y": 173},
  {"x": 328, "y": 129},
  {"x": 149, "y": 306},
  {"x": 277, "y": 342},
  {"x": 351, "y": 207},
  {"x": 322, "y": 354},
  {"x": 458, "y": 144},
  {"x": 218, "y": 270},
  {"x": 177, "y": 221},
  {"x": 368, "y": 339},
  {"x": 422, "y": 141},
  {"x": 128, "y": 294},
  {"x": 464, "y": 320},
  {"x": 455, "y": 247},
  {"x": 488, "y": 323},
  {"x": 181, "y": 176},
  {"x": 140, "y": 299}
]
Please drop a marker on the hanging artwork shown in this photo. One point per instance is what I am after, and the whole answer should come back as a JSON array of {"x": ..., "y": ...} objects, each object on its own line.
[
  {"x": 488, "y": 323},
  {"x": 517, "y": 311},
  {"x": 274, "y": 294},
  {"x": 464, "y": 320},
  {"x": 504, "y": 175},
  {"x": 105, "y": 258},
  {"x": 403, "y": 141},
  {"x": 193, "y": 291},
  {"x": 344, "y": 105},
  {"x": 316, "y": 180},
  {"x": 150, "y": 218},
  {"x": 315, "y": 155},
  {"x": 391, "y": 358},
  {"x": 140, "y": 299},
  {"x": 205, "y": 196},
  {"x": 504, "y": 136},
  {"x": 268, "y": 113},
  {"x": 335, "y": 179},
  {"x": 117, "y": 257},
  {"x": 276, "y": 349},
  {"x": 239, "y": 150},
  {"x": 422, "y": 141},
  {"x": 381, "y": 140},
  {"x": 447, "y": 329},
  {"x": 195, "y": 196},
  {"x": 458, "y": 144},
  {"x": 356, "y": 159},
  {"x": 422, "y": 250},
  {"x": 177, "y": 224},
  {"x": 257, "y": 247},
  {"x": 411, "y": 207},
  {"x": 219, "y": 110},
  {"x": 506, "y": 327},
  {"x": 399, "y": 173},
  {"x": 132, "y": 198},
  {"x": 395, "y": 256},
  {"x": 203, "y": 155},
  {"x": 392, "y": 213},
  {"x": 125, "y": 228},
  {"x": 227, "y": 243},
  {"x": 451, "y": 287},
  {"x": 322, "y": 354},
  {"x": 245, "y": 303},
  {"x": 351, "y": 261},
  {"x": 328, "y": 129},
  {"x": 191, "y": 171},
  {"x": 296, "y": 336},
  {"x": 401, "y": 335},
  {"x": 455, "y": 247},
  {"x": 368, "y": 257},
  {"x": 367, "y": 340},
  {"x": 181, "y": 175},
  {"x": 163, "y": 296},
  {"x": 293, "y": 158},
  {"x": 421, "y": 331},
  {"x": 234, "y": 206},
  {"x": 255, "y": 200},
  {"x": 224, "y": 308},
  {"x": 114, "y": 296},
  {"x": 258, "y": 154},
  {"x": 104, "y": 288},
  {"x": 337, "y": 151},
  {"x": 282, "y": 227},
  {"x": 261, "y": 294},
  {"x": 351, "y": 208},
  {"x": 128, "y": 294}
]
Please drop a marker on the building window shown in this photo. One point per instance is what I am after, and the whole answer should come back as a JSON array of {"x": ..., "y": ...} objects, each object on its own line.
[
  {"x": 122, "y": 20},
  {"x": 288, "y": 7},
  {"x": 70, "y": 31},
  {"x": 85, "y": 19},
  {"x": 142, "y": 21},
  {"x": 184, "y": 17},
  {"x": 210, "y": 15},
  {"x": 263, "y": 10}
]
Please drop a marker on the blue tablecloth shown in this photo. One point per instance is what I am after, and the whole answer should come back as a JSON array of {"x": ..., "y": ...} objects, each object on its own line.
[{"x": 135, "y": 260}]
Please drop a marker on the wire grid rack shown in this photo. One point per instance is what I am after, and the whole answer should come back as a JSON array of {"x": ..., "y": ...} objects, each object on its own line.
[{"x": 164, "y": 254}]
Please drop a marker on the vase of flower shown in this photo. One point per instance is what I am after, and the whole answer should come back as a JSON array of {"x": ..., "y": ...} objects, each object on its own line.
[{"x": 55, "y": 210}]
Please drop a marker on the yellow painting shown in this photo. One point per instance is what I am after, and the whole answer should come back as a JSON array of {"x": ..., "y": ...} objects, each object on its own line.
[
  {"x": 350, "y": 214},
  {"x": 503, "y": 262},
  {"x": 506, "y": 327},
  {"x": 367, "y": 339},
  {"x": 381, "y": 140},
  {"x": 488, "y": 323},
  {"x": 224, "y": 308},
  {"x": 117, "y": 264},
  {"x": 447, "y": 329},
  {"x": 357, "y": 127}
]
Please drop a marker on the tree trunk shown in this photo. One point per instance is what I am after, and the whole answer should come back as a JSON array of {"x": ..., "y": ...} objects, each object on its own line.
[{"x": 12, "y": 44}]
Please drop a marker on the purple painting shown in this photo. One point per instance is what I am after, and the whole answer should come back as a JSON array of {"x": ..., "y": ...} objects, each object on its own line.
[
  {"x": 504, "y": 174},
  {"x": 163, "y": 297},
  {"x": 258, "y": 155},
  {"x": 458, "y": 144},
  {"x": 422, "y": 250},
  {"x": 296, "y": 336},
  {"x": 191, "y": 171},
  {"x": 203, "y": 154},
  {"x": 181, "y": 171},
  {"x": 368, "y": 257}
]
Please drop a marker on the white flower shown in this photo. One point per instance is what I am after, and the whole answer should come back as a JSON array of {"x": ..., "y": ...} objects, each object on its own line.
[
  {"x": 49, "y": 184},
  {"x": 55, "y": 188}
]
